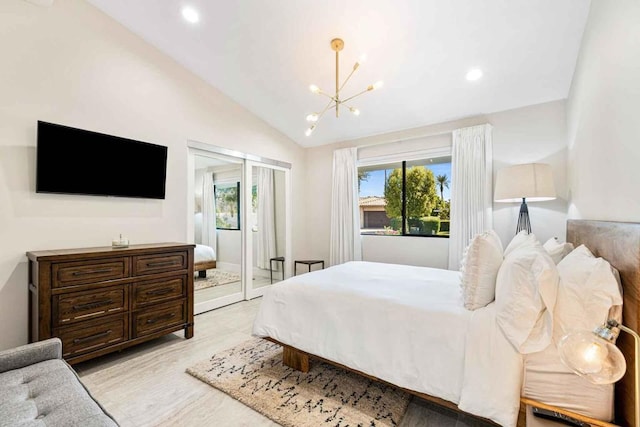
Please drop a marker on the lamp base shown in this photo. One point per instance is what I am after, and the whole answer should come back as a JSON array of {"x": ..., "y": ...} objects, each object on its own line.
[{"x": 523, "y": 218}]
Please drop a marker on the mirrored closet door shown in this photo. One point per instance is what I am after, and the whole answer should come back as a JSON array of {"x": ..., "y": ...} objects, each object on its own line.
[
  {"x": 268, "y": 234},
  {"x": 217, "y": 226}
]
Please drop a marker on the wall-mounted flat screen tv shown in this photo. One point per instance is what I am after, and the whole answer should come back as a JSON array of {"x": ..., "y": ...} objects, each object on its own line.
[{"x": 77, "y": 161}]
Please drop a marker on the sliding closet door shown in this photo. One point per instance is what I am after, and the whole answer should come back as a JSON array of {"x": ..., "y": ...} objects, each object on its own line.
[
  {"x": 216, "y": 199},
  {"x": 268, "y": 219}
]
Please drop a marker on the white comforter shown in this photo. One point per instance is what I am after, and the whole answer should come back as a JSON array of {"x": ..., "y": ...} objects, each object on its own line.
[
  {"x": 204, "y": 253},
  {"x": 405, "y": 325}
]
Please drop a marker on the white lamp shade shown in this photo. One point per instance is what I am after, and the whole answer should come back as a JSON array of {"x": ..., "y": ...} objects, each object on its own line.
[{"x": 532, "y": 181}]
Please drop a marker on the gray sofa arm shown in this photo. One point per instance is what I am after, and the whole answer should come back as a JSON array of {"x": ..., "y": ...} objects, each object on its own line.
[{"x": 29, "y": 354}]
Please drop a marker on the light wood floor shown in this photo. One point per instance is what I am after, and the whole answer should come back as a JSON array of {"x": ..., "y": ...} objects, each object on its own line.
[
  {"x": 208, "y": 294},
  {"x": 147, "y": 385}
]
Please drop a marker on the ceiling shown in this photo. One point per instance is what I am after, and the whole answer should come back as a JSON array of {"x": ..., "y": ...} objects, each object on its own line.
[{"x": 264, "y": 54}]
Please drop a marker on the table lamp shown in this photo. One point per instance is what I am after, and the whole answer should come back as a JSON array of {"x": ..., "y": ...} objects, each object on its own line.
[
  {"x": 531, "y": 181},
  {"x": 594, "y": 356}
]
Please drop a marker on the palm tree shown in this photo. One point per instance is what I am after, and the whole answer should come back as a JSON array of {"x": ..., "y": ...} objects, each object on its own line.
[
  {"x": 362, "y": 176},
  {"x": 443, "y": 181}
]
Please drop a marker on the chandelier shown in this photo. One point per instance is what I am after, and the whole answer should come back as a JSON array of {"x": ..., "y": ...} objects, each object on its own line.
[{"x": 334, "y": 100}]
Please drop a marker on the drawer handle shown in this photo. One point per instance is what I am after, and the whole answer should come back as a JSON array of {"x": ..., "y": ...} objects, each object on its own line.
[
  {"x": 159, "y": 318},
  {"x": 94, "y": 304},
  {"x": 92, "y": 337},
  {"x": 84, "y": 273},
  {"x": 159, "y": 291},
  {"x": 161, "y": 264}
]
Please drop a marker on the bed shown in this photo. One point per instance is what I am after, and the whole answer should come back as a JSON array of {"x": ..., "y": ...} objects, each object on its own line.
[
  {"x": 204, "y": 259},
  {"x": 352, "y": 326}
]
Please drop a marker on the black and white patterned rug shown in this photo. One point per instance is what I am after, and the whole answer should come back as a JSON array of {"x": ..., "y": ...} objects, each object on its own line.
[{"x": 253, "y": 373}]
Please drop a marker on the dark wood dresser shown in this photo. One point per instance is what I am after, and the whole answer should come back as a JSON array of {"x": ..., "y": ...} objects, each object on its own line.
[{"x": 100, "y": 300}]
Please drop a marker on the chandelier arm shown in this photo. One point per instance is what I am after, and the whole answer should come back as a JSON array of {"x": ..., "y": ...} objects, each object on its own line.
[
  {"x": 328, "y": 107},
  {"x": 348, "y": 77},
  {"x": 337, "y": 99},
  {"x": 333, "y": 98},
  {"x": 356, "y": 95}
]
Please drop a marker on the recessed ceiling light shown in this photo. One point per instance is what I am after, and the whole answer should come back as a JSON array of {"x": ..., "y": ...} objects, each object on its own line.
[
  {"x": 190, "y": 14},
  {"x": 474, "y": 74}
]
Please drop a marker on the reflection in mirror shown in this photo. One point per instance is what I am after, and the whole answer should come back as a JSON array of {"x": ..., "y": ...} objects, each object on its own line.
[
  {"x": 268, "y": 225},
  {"x": 217, "y": 257}
]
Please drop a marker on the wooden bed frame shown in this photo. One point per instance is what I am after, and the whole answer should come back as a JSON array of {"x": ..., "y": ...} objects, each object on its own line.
[
  {"x": 202, "y": 267},
  {"x": 618, "y": 243}
]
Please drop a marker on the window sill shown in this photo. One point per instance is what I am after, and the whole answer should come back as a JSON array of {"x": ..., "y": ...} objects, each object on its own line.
[{"x": 437, "y": 236}]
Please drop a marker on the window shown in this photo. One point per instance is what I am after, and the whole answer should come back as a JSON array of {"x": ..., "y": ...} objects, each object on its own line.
[
  {"x": 406, "y": 198},
  {"x": 227, "y": 206}
]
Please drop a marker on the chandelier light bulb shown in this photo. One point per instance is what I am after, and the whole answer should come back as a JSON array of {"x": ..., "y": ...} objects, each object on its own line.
[
  {"x": 355, "y": 111},
  {"x": 361, "y": 60},
  {"x": 474, "y": 74},
  {"x": 310, "y": 130},
  {"x": 190, "y": 15},
  {"x": 313, "y": 117},
  {"x": 378, "y": 84},
  {"x": 314, "y": 88}
]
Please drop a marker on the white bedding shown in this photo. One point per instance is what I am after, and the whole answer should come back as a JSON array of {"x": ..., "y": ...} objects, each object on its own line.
[
  {"x": 204, "y": 253},
  {"x": 402, "y": 324},
  {"x": 548, "y": 380}
]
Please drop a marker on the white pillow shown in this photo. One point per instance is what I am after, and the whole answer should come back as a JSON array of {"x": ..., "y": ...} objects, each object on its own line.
[
  {"x": 522, "y": 239},
  {"x": 556, "y": 249},
  {"x": 479, "y": 267},
  {"x": 526, "y": 291},
  {"x": 588, "y": 289}
]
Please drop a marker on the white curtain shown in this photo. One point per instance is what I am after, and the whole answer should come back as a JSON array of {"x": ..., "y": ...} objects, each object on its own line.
[
  {"x": 208, "y": 211},
  {"x": 471, "y": 188},
  {"x": 345, "y": 218},
  {"x": 266, "y": 217}
]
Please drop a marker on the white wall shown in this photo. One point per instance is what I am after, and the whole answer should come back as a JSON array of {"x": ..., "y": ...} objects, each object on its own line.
[
  {"x": 229, "y": 248},
  {"x": 603, "y": 116},
  {"x": 421, "y": 251},
  {"x": 73, "y": 65},
  {"x": 536, "y": 133}
]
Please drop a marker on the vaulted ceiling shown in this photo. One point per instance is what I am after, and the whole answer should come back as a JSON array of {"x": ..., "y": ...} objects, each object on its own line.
[{"x": 265, "y": 54}]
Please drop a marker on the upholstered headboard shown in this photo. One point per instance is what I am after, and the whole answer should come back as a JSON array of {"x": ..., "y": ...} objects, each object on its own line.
[{"x": 618, "y": 243}]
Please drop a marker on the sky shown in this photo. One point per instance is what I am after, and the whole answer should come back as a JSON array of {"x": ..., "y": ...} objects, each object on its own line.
[{"x": 374, "y": 185}]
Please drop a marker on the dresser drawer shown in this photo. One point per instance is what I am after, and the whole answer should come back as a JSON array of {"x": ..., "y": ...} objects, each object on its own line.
[
  {"x": 159, "y": 317},
  {"x": 93, "y": 335},
  {"x": 77, "y": 306},
  {"x": 155, "y": 291},
  {"x": 76, "y": 273},
  {"x": 157, "y": 263}
]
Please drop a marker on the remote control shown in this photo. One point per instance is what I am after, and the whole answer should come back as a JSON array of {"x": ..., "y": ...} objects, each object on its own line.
[{"x": 556, "y": 416}]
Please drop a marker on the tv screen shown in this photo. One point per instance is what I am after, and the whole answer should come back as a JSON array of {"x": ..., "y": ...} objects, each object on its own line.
[{"x": 77, "y": 161}]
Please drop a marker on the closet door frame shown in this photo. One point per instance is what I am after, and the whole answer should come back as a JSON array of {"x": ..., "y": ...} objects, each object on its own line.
[
  {"x": 248, "y": 161},
  {"x": 212, "y": 304}
]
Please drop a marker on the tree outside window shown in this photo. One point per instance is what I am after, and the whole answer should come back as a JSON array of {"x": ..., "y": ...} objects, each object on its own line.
[
  {"x": 227, "y": 206},
  {"x": 421, "y": 209}
]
